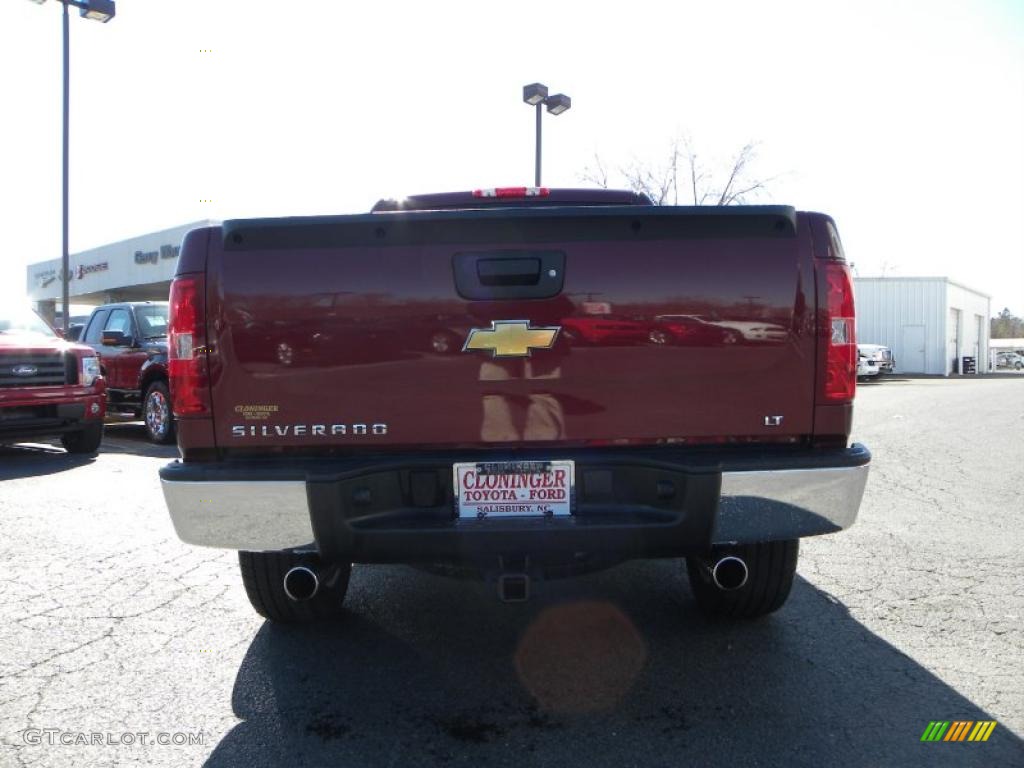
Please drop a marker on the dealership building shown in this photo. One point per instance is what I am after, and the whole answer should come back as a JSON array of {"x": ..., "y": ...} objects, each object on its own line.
[
  {"x": 137, "y": 269},
  {"x": 931, "y": 324}
]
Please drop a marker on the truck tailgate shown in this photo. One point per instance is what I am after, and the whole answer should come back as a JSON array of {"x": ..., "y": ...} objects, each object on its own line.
[{"x": 657, "y": 325}]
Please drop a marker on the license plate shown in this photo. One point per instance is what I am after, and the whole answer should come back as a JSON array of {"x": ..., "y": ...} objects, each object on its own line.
[{"x": 514, "y": 488}]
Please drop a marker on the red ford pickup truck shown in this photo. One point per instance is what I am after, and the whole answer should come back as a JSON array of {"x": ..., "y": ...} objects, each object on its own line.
[
  {"x": 319, "y": 426},
  {"x": 48, "y": 387}
]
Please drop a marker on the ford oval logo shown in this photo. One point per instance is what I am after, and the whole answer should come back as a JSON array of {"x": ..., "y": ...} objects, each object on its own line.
[{"x": 24, "y": 370}]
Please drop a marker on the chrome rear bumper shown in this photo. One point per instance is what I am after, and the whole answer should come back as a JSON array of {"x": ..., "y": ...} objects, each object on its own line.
[{"x": 753, "y": 505}]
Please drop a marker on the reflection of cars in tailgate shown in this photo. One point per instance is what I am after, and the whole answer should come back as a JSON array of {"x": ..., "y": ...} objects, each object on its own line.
[
  {"x": 48, "y": 387},
  {"x": 691, "y": 330},
  {"x": 518, "y": 454},
  {"x": 603, "y": 330}
]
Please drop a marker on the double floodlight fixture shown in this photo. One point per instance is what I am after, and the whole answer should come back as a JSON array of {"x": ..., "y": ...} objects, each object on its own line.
[{"x": 537, "y": 93}]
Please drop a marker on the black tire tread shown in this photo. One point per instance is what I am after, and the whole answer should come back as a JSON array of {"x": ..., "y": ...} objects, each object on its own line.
[
  {"x": 263, "y": 579},
  {"x": 772, "y": 566}
]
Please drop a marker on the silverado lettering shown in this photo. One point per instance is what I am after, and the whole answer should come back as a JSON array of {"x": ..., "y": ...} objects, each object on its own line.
[
  {"x": 313, "y": 430},
  {"x": 536, "y": 431}
]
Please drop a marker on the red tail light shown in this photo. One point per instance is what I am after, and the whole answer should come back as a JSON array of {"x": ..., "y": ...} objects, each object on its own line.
[
  {"x": 840, "y": 381},
  {"x": 186, "y": 341}
]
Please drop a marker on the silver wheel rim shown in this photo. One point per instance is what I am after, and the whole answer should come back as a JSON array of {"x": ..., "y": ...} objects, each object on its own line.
[{"x": 157, "y": 413}]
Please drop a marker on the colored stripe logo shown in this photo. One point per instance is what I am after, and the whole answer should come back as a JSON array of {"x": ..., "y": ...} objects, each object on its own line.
[{"x": 958, "y": 730}]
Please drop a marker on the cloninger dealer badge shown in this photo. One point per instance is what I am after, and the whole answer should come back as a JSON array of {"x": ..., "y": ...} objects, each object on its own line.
[{"x": 510, "y": 338}]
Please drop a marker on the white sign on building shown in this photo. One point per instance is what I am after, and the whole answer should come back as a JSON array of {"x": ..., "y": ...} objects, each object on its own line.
[{"x": 137, "y": 269}]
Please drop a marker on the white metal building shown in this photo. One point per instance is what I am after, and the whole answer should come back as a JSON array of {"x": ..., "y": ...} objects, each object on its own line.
[
  {"x": 930, "y": 323},
  {"x": 138, "y": 269}
]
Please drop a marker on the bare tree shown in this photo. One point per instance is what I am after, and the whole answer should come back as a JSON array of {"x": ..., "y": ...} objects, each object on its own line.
[
  {"x": 660, "y": 183},
  {"x": 596, "y": 174},
  {"x": 683, "y": 167},
  {"x": 888, "y": 266},
  {"x": 740, "y": 184}
]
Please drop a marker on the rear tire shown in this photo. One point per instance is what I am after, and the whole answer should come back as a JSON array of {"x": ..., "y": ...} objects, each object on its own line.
[
  {"x": 771, "y": 566},
  {"x": 156, "y": 413},
  {"x": 263, "y": 578},
  {"x": 86, "y": 440}
]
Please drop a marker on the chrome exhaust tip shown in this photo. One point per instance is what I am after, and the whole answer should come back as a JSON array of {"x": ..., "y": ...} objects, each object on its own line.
[
  {"x": 729, "y": 573},
  {"x": 301, "y": 583}
]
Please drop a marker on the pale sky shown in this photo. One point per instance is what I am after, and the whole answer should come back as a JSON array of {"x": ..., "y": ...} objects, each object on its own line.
[{"x": 903, "y": 120}]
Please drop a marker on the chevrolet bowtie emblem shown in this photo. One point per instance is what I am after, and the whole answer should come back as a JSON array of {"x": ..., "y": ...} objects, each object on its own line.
[{"x": 510, "y": 338}]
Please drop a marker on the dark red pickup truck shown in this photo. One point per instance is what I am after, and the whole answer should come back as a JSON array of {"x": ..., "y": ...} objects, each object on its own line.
[
  {"x": 48, "y": 387},
  {"x": 130, "y": 339},
  {"x": 320, "y": 423}
]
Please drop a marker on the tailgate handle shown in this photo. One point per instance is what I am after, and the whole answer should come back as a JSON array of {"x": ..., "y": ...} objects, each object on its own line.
[
  {"x": 508, "y": 271},
  {"x": 517, "y": 273}
]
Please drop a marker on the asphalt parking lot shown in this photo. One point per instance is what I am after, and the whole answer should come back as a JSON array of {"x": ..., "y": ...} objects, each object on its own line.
[{"x": 110, "y": 626}]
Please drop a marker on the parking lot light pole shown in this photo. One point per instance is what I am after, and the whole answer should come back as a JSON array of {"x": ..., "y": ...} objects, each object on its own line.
[
  {"x": 536, "y": 95},
  {"x": 97, "y": 10}
]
